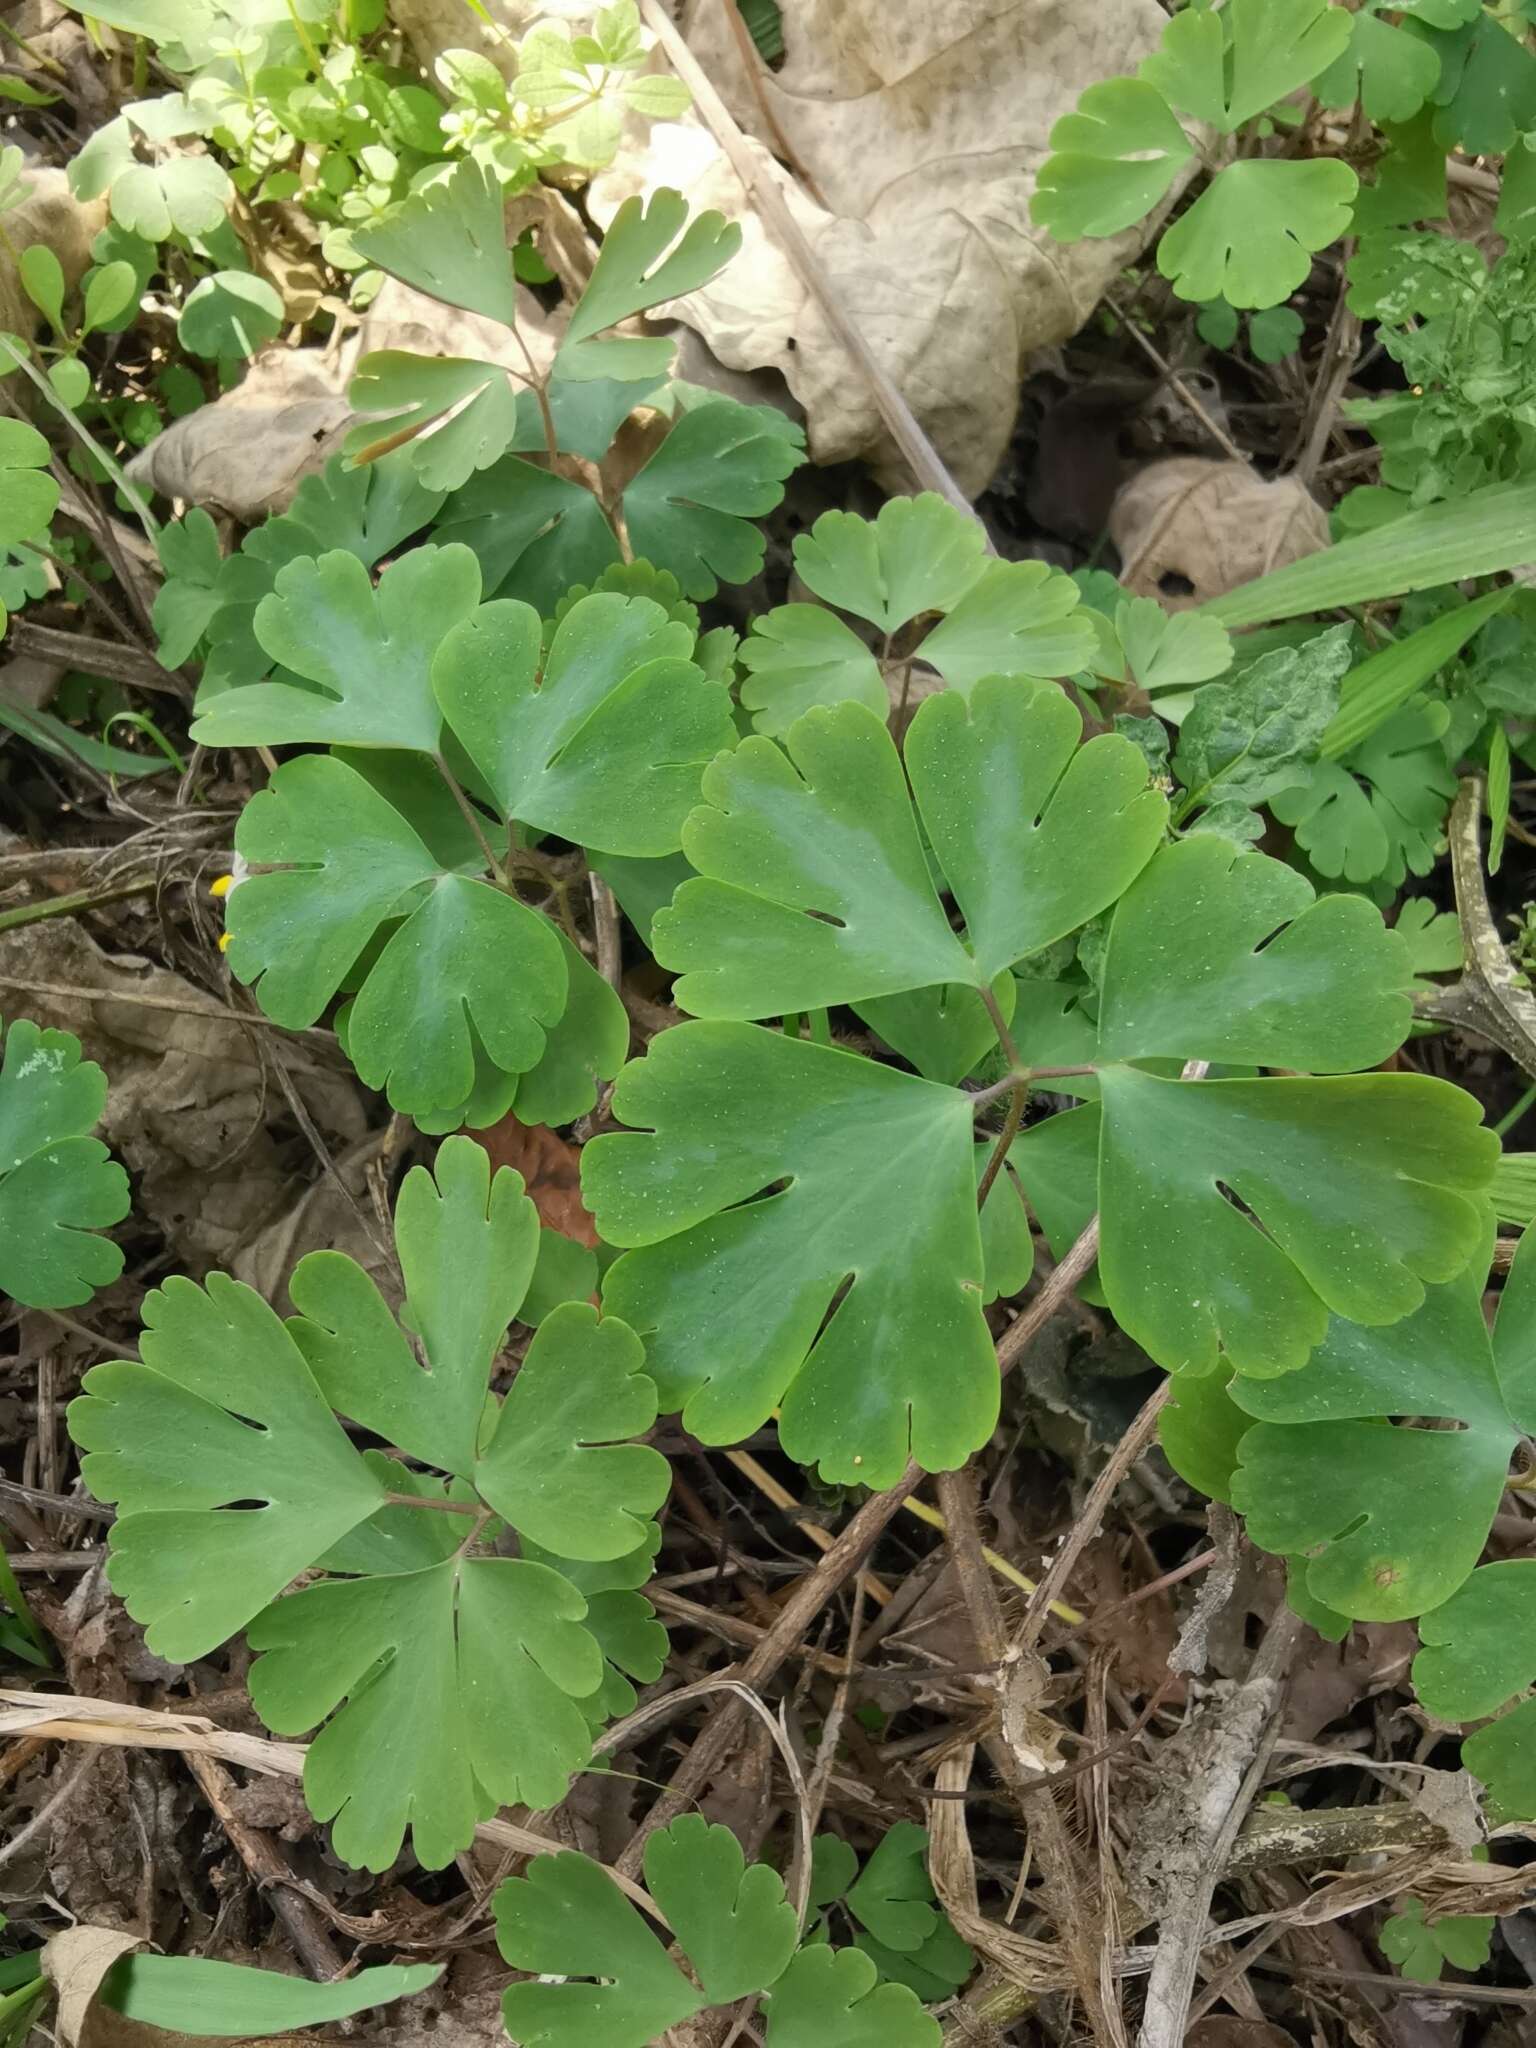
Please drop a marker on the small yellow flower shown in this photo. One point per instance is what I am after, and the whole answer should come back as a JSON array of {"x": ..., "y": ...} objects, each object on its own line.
[
  {"x": 222, "y": 886},
  {"x": 223, "y": 942}
]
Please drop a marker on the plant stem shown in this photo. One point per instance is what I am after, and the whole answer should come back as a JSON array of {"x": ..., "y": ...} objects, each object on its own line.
[
  {"x": 1006, "y": 1136},
  {"x": 1000, "y": 1026},
  {"x": 985, "y": 1097},
  {"x": 472, "y": 820},
  {"x": 1506, "y": 1124},
  {"x": 66, "y": 906},
  {"x": 441, "y": 1507}
]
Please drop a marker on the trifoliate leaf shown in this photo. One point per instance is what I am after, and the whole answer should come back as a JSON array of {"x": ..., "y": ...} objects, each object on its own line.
[
  {"x": 163, "y": 1444},
  {"x": 650, "y": 253},
  {"x": 1275, "y": 46},
  {"x": 1015, "y": 619},
  {"x": 557, "y": 1464},
  {"x": 58, "y": 1185},
  {"x": 731, "y": 1919},
  {"x": 1171, "y": 650},
  {"x": 786, "y": 919},
  {"x": 607, "y": 745},
  {"x": 1244, "y": 738},
  {"x": 798, "y": 657},
  {"x": 1479, "y": 1651},
  {"x": 1381, "y": 810},
  {"x": 453, "y": 1682},
  {"x": 449, "y": 1691},
  {"x": 917, "y": 555},
  {"x": 566, "y": 1920},
  {"x": 29, "y": 497},
  {"x": 1390, "y": 1519},
  {"x": 722, "y": 466},
  {"x": 368, "y": 649},
  {"x": 185, "y": 195},
  {"x": 449, "y": 240},
  {"x": 1251, "y": 235},
  {"x": 1421, "y": 1948},
  {"x": 830, "y": 1998},
  {"x": 231, "y": 314},
  {"x": 1487, "y": 91},
  {"x": 1112, "y": 159},
  {"x": 1199, "y": 967},
  {"x": 730, "y": 1293},
  {"x": 1391, "y": 71}
]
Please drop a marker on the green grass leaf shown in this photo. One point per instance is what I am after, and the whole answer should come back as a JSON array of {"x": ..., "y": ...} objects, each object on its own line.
[
  {"x": 1251, "y": 235},
  {"x": 58, "y": 1185},
  {"x": 731, "y": 1292},
  {"x": 193, "y": 1995}
]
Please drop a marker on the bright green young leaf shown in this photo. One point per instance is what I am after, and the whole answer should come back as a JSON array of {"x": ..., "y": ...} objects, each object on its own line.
[
  {"x": 731, "y": 1918},
  {"x": 163, "y": 1444},
  {"x": 449, "y": 241},
  {"x": 1198, "y": 967},
  {"x": 1275, "y": 333},
  {"x": 449, "y": 1681},
  {"x": 1171, "y": 650},
  {"x": 799, "y": 656},
  {"x": 1390, "y": 1519},
  {"x": 1479, "y": 1651},
  {"x": 607, "y": 745},
  {"x": 814, "y": 885},
  {"x": 730, "y": 1293},
  {"x": 1112, "y": 159},
  {"x": 894, "y": 1895},
  {"x": 231, "y": 314},
  {"x": 1016, "y": 618},
  {"x": 1421, "y": 1948},
  {"x": 917, "y": 555},
  {"x": 829, "y": 1998},
  {"x": 369, "y": 649},
  {"x": 690, "y": 508},
  {"x": 445, "y": 1693},
  {"x": 566, "y": 1920},
  {"x": 622, "y": 1623},
  {"x": 650, "y": 253},
  {"x": 558, "y": 1465},
  {"x": 195, "y": 1995},
  {"x": 58, "y": 1186},
  {"x": 1251, "y": 235},
  {"x": 41, "y": 276},
  {"x": 1391, "y": 71},
  {"x": 186, "y": 195},
  {"x": 29, "y": 497},
  {"x": 110, "y": 291},
  {"x": 1381, "y": 810},
  {"x": 1275, "y": 46},
  {"x": 1245, "y": 738}
]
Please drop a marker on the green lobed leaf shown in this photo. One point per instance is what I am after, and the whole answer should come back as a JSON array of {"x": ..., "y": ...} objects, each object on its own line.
[
  {"x": 606, "y": 746},
  {"x": 917, "y": 555},
  {"x": 368, "y": 648},
  {"x": 689, "y": 509},
  {"x": 449, "y": 241},
  {"x": 459, "y": 414},
  {"x": 829, "y": 1998},
  {"x": 58, "y": 1185},
  {"x": 1421, "y": 1948},
  {"x": 1251, "y": 235},
  {"x": 1112, "y": 159},
  {"x": 1274, "y": 45},
  {"x": 651, "y": 252},
  {"x": 1391, "y": 71},
  {"x": 1170, "y": 650},
  {"x": 29, "y": 497},
  {"x": 893, "y": 1896},
  {"x": 1486, "y": 95},
  {"x": 1479, "y": 1652},
  {"x": 814, "y": 887},
  {"x": 1015, "y": 619},
  {"x": 730, "y": 1293},
  {"x": 730, "y": 1918},
  {"x": 799, "y": 657},
  {"x": 534, "y": 534}
]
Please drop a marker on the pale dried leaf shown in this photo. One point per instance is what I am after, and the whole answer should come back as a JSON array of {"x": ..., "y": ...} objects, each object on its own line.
[
  {"x": 75, "y": 1962},
  {"x": 1189, "y": 529}
]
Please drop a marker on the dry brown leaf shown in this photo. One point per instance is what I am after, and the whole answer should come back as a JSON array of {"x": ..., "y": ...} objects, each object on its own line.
[
  {"x": 922, "y": 129},
  {"x": 75, "y": 1962},
  {"x": 1225, "y": 2030},
  {"x": 1189, "y": 529},
  {"x": 551, "y": 1170}
]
